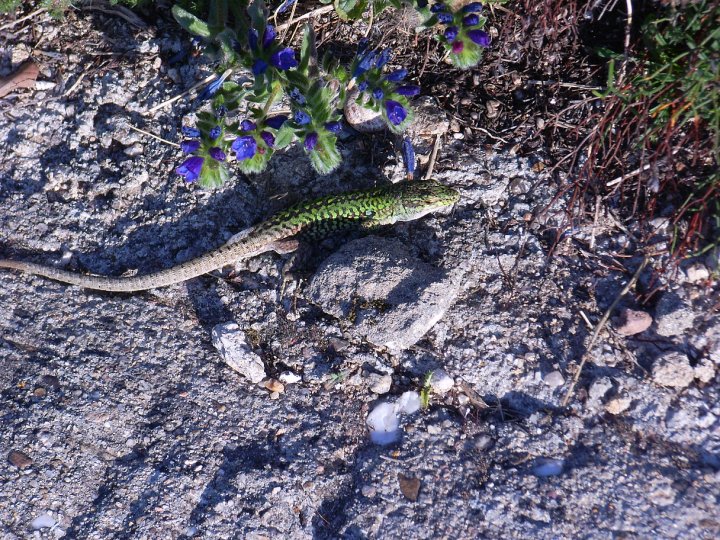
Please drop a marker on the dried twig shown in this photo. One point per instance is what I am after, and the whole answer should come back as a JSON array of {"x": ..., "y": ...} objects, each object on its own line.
[
  {"x": 600, "y": 326},
  {"x": 308, "y": 15},
  {"x": 21, "y": 19},
  {"x": 433, "y": 157},
  {"x": 190, "y": 90},
  {"x": 153, "y": 136}
]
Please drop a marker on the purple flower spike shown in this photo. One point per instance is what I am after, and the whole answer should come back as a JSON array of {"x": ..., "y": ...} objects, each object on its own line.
[
  {"x": 253, "y": 39},
  {"x": 480, "y": 37},
  {"x": 408, "y": 90},
  {"x": 362, "y": 86},
  {"x": 458, "y": 46},
  {"x": 473, "y": 7},
  {"x": 284, "y": 59},
  {"x": 188, "y": 147},
  {"x": 191, "y": 131},
  {"x": 244, "y": 147},
  {"x": 310, "y": 141},
  {"x": 378, "y": 93},
  {"x": 259, "y": 67},
  {"x": 301, "y": 118},
  {"x": 217, "y": 154},
  {"x": 191, "y": 168},
  {"x": 276, "y": 122},
  {"x": 334, "y": 127},
  {"x": 364, "y": 64},
  {"x": 396, "y": 76},
  {"x": 437, "y": 8},
  {"x": 268, "y": 138},
  {"x": 215, "y": 133},
  {"x": 396, "y": 113},
  {"x": 445, "y": 18},
  {"x": 471, "y": 20},
  {"x": 268, "y": 36},
  {"x": 297, "y": 97},
  {"x": 285, "y": 5},
  {"x": 248, "y": 125},
  {"x": 451, "y": 33},
  {"x": 220, "y": 112}
]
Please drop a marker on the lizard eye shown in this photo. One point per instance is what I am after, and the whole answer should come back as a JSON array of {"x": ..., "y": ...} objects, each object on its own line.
[{"x": 369, "y": 213}]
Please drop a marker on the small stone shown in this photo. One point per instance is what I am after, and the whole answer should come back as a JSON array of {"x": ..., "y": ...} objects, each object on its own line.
[
  {"x": 380, "y": 384},
  {"x": 43, "y": 521},
  {"x": 554, "y": 379},
  {"x": 599, "y": 388},
  {"x": 409, "y": 486},
  {"x": 50, "y": 382},
  {"x": 618, "y": 405},
  {"x": 39, "y": 392},
  {"x": 493, "y": 108},
  {"x": 697, "y": 272},
  {"x": 632, "y": 322},
  {"x": 484, "y": 442},
  {"x": 672, "y": 315},
  {"x": 135, "y": 150},
  {"x": 368, "y": 491},
  {"x": 672, "y": 369},
  {"x": 548, "y": 467},
  {"x": 705, "y": 371},
  {"x": 19, "y": 459},
  {"x": 432, "y": 429},
  {"x": 441, "y": 382},
  {"x": 383, "y": 423},
  {"x": 361, "y": 118},
  {"x": 230, "y": 342},
  {"x": 288, "y": 377},
  {"x": 408, "y": 403},
  {"x": 273, "y": 385}
]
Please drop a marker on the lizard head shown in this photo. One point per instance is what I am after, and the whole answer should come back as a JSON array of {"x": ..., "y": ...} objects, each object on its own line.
[{"x": 418, "y": 198}]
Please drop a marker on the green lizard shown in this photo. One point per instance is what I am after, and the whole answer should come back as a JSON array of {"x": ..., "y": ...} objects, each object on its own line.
[{"x": 405, "y": 201}]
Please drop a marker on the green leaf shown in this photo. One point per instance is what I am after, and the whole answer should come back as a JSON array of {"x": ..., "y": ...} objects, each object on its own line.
[
  {"x": 284, "y": 137},
  {"x": 190, "y": 22},
  {"x": 325, "y": 156},
  {"x": 307, "y": 47},
  {"x": 350, "y": 9},
  {"x": 218, "y": 14}
]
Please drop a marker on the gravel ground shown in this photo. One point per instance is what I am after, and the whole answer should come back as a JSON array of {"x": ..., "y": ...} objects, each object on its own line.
[{"x": 123, "y": 418}]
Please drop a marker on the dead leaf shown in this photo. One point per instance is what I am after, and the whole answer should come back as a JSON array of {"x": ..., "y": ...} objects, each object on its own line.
[
  {"x": 409, "y": 486},
  {"x": 24, "y": 77}
]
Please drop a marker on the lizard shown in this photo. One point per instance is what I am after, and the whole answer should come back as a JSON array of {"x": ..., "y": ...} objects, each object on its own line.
[{"x": 367, "y": 209}]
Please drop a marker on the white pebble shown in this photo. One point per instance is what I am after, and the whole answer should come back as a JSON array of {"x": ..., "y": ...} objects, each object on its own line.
[
  {"x": 548, "y": 467},
  {"x": 288, "y": 377},
  {"x": 408, "y": 403},
  {"x": 43, "y": 521},
  {"x": 383, "y": 424},
  {"x": 441, "y": 382}
]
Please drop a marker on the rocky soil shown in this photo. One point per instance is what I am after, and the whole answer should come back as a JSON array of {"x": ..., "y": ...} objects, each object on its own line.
[{"x": 235, "y": 405}]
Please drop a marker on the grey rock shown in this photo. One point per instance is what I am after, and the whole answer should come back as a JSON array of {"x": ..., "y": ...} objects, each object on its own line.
[
  {"x": 230, "y": 342},
  {"x": 672, "y": 315},
  {"x": 554, "y": 379},
  {"x": 380, "y": 384},
  {"x": 548, "y": 467},
  {"x": 599, "y": 388},
  {"x": 441, "y": 382},
  {"x": 392, "y": 298},
  {"x": 673, "y": 369}
]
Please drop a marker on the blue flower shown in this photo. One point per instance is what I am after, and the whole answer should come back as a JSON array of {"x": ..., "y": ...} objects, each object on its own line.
[
  {"x": 268, "y": 137},
  {"x": 191, "y": 168},
  {"x": 259, "y": 66},
  {"x": 451, "y": 33},
  {"x": 311, "y": 140},
  {"x": 268, "y": 36},
  {"x": 445, "y": 18},
  {"x": 297, "y": 97},
  {"x": 302, "y": 118},
  {"x": 217, "y": 154},
  {"x": 253, "y": 39},
  {"x": 408, "y": 90},
  {"x": 190, "y": 131},
  {"x": 188, "y": 147},
  {"x": 276, "y": 122},
  {"x": 285, "y": 5},
  {"x": 364, "y": 64},
  {"x": 212, "y": 88},
  {"x": 378, "y": 93},
  {"x": 471, "y": 20},
  {"x": 480, "y": 37},
  {"x": 408, "y": 156},
  {"x": 334, "y": 127},
  {"x": 473, "y": 7},
  {"x": 437, "y": 8},
  {"x": 215, "y": 133},
  {"x": 244, "y": 147},
  {"x": 284, "y": 59},
  {"x": 396, "y": 113},
  {"x": 362, "y": 86},
  {"x": 383, "y": 58},
  {"x": 396, "y": 76},
  {"x": 220, "y": 112},
  {"x": 248, "y": 125}
]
